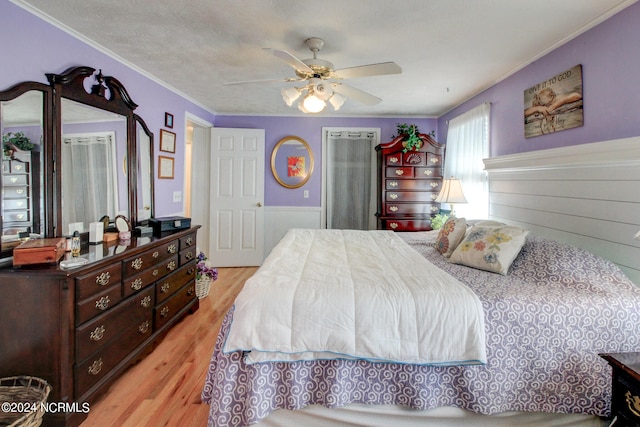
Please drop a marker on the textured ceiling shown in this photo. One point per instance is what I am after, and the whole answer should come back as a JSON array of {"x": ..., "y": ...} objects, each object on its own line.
[{"x": 449, "y": 50}]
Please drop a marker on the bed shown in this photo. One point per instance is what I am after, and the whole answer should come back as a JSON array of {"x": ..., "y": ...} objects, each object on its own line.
[{"x": 546, "y": 318}]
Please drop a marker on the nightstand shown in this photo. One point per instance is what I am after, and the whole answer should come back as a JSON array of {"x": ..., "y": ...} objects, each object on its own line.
[{"x": 625, "y": 399}]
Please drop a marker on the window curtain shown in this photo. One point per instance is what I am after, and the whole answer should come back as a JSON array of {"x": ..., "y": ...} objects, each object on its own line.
[
  {"x": 88, "y": 178},
  {"x": 350, "y": 180},
  {"x": 467, "y": 144}
]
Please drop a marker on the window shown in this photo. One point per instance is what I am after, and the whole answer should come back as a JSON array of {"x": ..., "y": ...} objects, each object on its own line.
[{"x": 467, "y": 146}]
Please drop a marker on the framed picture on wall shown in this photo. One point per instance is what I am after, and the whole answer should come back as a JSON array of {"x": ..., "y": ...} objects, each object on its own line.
[
  {"x": 168, "y": 120},
  {"x": 165, "y": 167},
  {"x": 167, "y": 141}
]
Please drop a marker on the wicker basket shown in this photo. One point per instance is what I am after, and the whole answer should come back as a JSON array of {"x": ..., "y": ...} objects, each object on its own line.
[
  {"x": 202, "y": 287},
  {"x": 18, "y": 393}
]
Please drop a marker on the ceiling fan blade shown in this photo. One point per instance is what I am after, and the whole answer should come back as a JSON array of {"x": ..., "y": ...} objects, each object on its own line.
[
  {"x": 263, "y": 81},
  {"x": 290, "y": 59},
  {"x": 356, "y": 94},
  {"x": 368, "y": 70}
]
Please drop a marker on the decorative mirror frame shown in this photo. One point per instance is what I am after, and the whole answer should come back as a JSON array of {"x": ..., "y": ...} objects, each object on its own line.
[
  {"x": 277, "y": 163},
  {"x": 106, "y": 94},
  {"x": 46, "y": 169}
]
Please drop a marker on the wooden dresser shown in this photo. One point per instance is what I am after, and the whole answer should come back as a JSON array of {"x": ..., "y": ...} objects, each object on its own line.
[
  {"x": 625, "y": 399},
  {"x": 409, "y": 184},
  {"x": 80, "y": 329}
]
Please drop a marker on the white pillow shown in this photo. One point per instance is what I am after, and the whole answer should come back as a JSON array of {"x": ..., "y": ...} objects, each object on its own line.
[
  {"x": 450, "y": 235},
  {"x": 490, "y": 248}
]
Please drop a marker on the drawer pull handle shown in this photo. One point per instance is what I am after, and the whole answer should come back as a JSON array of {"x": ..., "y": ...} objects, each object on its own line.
[
  {"x": 19, "y": 190},
  {"x": 434, "y": 160},
  {"x": 189, "y": 255},
  {"x": 393, "y": 196},
  {"x": 433, "y": 184},
  {"x": 136, "y": 264},
  {"x": 393, "y": 184},
  {"x": 393, "y": 159},
  {"x": 164, "y": 312},
  {"x": 434, "y": 196},
  {"x": 191, "y": 271},
  {"x": 97, "y": 334},
  {"x": 428, "y": 172},
  {"x": 20, "y": 203},
  {"x": 191, "y": 291},
  {"x": 156, "y": 254},
  {"x": 165, "y": 288},
  {"x": 144, "y": 327},
  {"x": 172, "y": 249},
  {"x": 146, "y": 302},
  {"x": 393, "y": 225},
  {"x": 633, "y": 403},
  {"x": 103, "y": 303},
  {"x": 21, "y": 216},
  {"x": 400, "y": 172},
  {"x": 435, "y": 209},
  {"x": 103, "y": 279},
  {"x": 17, "y": 167},
  {"x": 96, "y": 367},
  {"x": 189, "y": 241},
  {"x": 155, "y": 272},
  {"x": 14, "y": 179},
  {"x": 137, "y": 284},
  {"x": 393, "y": 208},
  {"x": 171, "y": 266}
]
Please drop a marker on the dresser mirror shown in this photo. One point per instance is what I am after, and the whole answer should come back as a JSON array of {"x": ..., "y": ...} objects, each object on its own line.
[
  {"x": 292, "y": 162},
  {"x": 25, "y": 125},
  {"x": 91, "y": 156}
]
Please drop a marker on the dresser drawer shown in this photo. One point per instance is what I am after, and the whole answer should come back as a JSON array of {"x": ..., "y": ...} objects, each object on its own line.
[
  {"x": 187, "y": 255},
  {"x": 97, "y": 281},
  {"x": 407, "y": 225},
  {"x": 626, "y": 400},
  {"x": 414, "y": 184},
  {"x": 16, "y": 216},
  {"x": 18, "y": 167},
  {"x": 412, "y": 208},
  {"x": 94, "y": 368},
  {"x": 188, "y": 241},
  {"x": 410, "y": 196},
  {"x": 133, "y": 284},
  {"x": 394, "y": 159},
  {"x": 433, "y": 172},
  {"x": 16, "y": 204},
  {"x": 15, "y": 192},
  {"x": 107, "y": 326},
  {"x": 399, "y": 173},
  {"x": 98, "y": 303},
  {"x": 11, "y": 180},
  {"x": 171, "y": 283},
  {"x": 168, "y": 309},
  {"x": 134, "y": 265}
]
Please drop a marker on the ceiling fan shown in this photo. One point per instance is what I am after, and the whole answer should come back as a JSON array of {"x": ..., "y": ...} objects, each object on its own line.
[{"x": 321, "y": 82}]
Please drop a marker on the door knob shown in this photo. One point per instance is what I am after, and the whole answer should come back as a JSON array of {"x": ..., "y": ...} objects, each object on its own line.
[{"x": 259, "y": 204}]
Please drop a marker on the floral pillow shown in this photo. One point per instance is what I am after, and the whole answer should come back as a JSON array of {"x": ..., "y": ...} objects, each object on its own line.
[
  {"x": 450, "y": 235},
  {"x": 490, "y": 248}
]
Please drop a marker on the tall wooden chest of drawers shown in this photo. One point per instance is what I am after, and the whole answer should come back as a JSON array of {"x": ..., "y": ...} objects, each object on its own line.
[
  {"x": 409, "y": 184},
  {"x": 80, "y": 329},
  {"x": 21, "y": 193}
]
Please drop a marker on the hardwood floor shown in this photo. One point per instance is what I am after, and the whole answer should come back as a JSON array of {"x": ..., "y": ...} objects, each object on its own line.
[{"x": 164, "y": 388}]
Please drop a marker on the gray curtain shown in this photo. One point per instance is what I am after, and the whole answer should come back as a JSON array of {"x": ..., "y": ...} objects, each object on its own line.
[{"x": 350, "y": 188}]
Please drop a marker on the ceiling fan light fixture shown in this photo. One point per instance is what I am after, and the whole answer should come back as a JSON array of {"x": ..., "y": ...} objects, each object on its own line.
[
  {"x": 312, "y": 104},
  {"x": 290, "y": 95},
  {"x": 336, "y": 101},
  {"x": 323, "y": 91}
]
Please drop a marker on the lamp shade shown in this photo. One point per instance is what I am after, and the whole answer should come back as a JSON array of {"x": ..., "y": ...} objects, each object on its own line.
[{"x": 451, "y": 192}]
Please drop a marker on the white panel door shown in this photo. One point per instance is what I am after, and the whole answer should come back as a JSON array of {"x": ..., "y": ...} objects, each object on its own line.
[{"x": 236, "y": 221}]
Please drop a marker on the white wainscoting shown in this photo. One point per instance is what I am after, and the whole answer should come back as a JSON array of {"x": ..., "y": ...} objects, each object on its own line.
[
  {"x": 587, "y": 195},
  {"x": 279, "y": 219}
]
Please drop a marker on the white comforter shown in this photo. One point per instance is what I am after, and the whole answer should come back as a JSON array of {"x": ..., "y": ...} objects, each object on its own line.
[{"x": 355, "y": 294}]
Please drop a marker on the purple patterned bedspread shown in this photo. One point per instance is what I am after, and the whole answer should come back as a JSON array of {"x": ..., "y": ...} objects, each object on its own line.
[{"x": 546, "y": 322}]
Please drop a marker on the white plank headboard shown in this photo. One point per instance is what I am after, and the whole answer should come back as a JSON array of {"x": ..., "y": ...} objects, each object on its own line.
[{"x": 587, "y": 195}]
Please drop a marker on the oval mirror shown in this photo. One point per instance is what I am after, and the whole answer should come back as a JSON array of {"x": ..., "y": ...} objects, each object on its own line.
[{"x": 292, "y": 162}]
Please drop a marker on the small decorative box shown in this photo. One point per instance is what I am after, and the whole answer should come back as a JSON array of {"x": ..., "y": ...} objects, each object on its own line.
[{"x": 39, "y": 251}]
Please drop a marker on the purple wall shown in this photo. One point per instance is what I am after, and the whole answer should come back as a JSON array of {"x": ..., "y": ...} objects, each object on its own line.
[
  {"x": 610, "y": 73},
  {"x": 309, "y": 129},
  {"x": 32, "y": 47},
  {"x": 611, "y": 67}
]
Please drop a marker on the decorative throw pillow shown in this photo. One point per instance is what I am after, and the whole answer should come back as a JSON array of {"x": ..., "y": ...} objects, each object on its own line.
[
  {"x": 490, "y": 248},
  {"x": 450, "y": 235}
]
